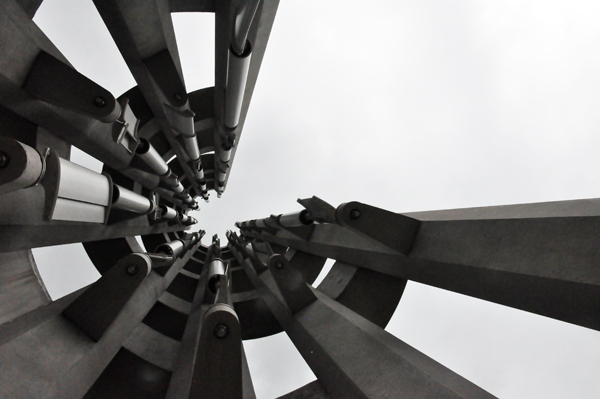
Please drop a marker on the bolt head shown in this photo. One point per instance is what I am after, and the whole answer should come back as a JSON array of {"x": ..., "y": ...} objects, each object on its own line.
[
  {"x": 99, "y": 102},
  {"x": 221, "y": 331},
  {"x": 279, "y": 265},
  {"x": 354, "y": 214},
  {"x": 4, "y": 160},
  {"x": 177, "y": 96},
  {"x": 132, "y": 269}
]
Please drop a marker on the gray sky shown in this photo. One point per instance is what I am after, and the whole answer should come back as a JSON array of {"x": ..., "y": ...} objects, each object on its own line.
[{"x": 408, "y": 106}]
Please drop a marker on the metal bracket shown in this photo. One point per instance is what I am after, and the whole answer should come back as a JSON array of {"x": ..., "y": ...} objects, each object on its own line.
[{"x": 127, "y": 124}]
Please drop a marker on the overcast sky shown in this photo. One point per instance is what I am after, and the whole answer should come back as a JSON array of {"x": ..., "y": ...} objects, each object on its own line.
[{"x": 408, "y": 106}]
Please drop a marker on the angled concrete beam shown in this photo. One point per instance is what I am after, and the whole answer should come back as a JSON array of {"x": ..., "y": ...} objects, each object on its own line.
[{"x": 368, "y": 362}]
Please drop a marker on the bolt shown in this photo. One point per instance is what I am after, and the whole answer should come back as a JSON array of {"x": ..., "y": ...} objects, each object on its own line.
[
  {"x": 132, "y": 269},
  {"x": 279, "y": 265},
  {"x": 221, "y": 331},
  {"x": 4, "y": 159},
  {"x": 354, "y": 214},
  {"x": 177, "y": 96},
  {"x": 99, "y": 102}
]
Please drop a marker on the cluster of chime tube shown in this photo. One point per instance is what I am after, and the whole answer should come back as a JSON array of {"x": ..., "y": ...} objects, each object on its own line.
[
  {"x": 293, "y": 219},
  {"x": 82, "y": 194}
]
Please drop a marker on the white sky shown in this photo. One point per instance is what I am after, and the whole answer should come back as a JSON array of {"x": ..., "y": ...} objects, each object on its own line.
[{"x": 406, "y": 105}]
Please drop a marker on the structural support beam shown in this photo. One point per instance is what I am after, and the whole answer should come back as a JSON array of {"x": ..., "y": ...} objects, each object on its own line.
[
  {"x": 515, "y": 256},
  {"x": 71, "y": 360},
  {"x": 368, "y": 362}
]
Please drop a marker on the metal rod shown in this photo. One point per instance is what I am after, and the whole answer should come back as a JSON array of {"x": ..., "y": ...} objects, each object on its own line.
[
  {"x": 301, "y": 218},
  {"x": 147, "y": 153},
  {"x": 237, "y": 74},
  {"x": 216, "y": 268},
  {"x": 167, "y": 212},
  {"x": 173, "y": 248},
  {"x": 191, "y": 146},
  {"x": 127, "y": 200}
]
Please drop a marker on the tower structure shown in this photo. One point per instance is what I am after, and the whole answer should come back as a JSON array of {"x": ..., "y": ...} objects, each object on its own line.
[{"x": 168, "y": 321}]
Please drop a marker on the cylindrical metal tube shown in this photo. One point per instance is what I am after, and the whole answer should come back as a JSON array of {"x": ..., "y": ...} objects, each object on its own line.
[
  {"x": 170, "y": 178},
  {"x": 301, "y": 218},
  {"x": 173, "y": 248},
  {"x": 183, "y": 217},
  {"x": 191, "y": 145},
  {"x": 146, "y": 152},
  {"x": 199, "y": 170},
  {"x": 82, "y": 184},
  {"x": 167, "y": 212},
  {"x": 191, "y": 221},
  {"x": 221, "y": 172},
  {"x": 202, "y": 183},
  {"x": 127, "y": 200},
  {"x": 216, "y": 268},
  {"x": 225, "y": 155},
  {"x": 21, "y": 166},
  {"x": 244, "y": 16},
  {"x": 237, "y": 74},
  {"x": 184, "y": 196},
  {"x": 178, "y": 188}
]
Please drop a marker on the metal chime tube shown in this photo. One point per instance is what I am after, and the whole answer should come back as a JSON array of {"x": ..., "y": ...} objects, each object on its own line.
[
  {"x": 225, "y": 152},
  {"x": 147, "y": 153},
  {"x": 183, "y": 218},
  {"x": 237, "y": 74},
  {"x": 199, "y": 172},
  {"x": 167, "y": 212},
  {"x": 173, "y": 248},
  {"x": 191, "y": 145},
  {"x": 21, "y": 166},
  {"x": 178, "y": 188},
  {"x": 81, "y": 184},
  {"x": 302, "y": 218},
  {"x": 216, "y": 269},
  {"x": 127, "y": 200}
]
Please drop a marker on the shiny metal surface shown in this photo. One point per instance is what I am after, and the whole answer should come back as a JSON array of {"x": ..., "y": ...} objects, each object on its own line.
[
  {"x": 225, "y": 154},
  {"x": 76, "y": 211},
  {"x": 127, "y": 200},
  {"x": 178, "y": 188},
  {"x": 301, "y": 218},
  {"x": 216, "y": 268},
  {"x": 199, "y": 171},
  {"x": 171, "y": 178},
  {"x": 191, "y": 146},
  {"x": 167, "y": 212},
  {"x": 173, "y": 248},
  {"x": 147, "y": 153},
  {"x": 237, "y": 74},
  {"x": 81, "y": 184},
  {"x": 183, "y": 217}
]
